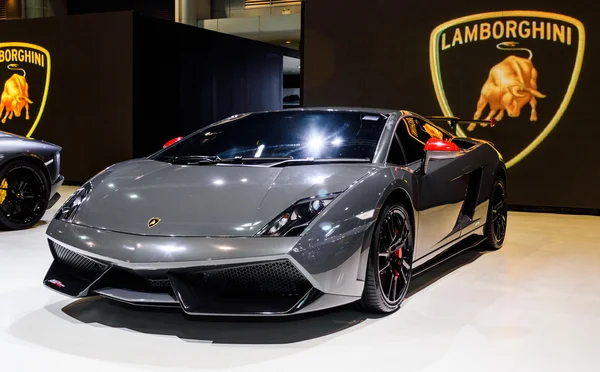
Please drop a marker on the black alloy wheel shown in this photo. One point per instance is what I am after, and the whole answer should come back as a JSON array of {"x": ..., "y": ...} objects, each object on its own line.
[
  {"x": 389, "y": 268},
  {"x": 23, "y": 195},
  {"x": 495, "y": 227}
]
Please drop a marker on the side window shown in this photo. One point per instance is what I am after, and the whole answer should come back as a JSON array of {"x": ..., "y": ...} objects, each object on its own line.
[
  {"x": 423, "y": 131},
  {"x": 414, "y": 134},
  {"x": 413, "y": 138},
  {"x": 395, "y": 156},
  {"x": 432, "y": 131}
]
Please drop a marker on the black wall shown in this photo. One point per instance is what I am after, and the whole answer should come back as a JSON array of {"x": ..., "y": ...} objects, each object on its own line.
[
  {"x": 376, "y": 53},
  {"x": 164, "y": 9},
  {"x": 187, "y": 77},
  {"x": 89, "y": 104},
  {"x": 122, "y": 84}
]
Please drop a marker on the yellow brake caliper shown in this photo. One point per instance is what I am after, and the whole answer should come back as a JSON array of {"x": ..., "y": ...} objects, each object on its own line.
[{"x": 3, "y": 190}]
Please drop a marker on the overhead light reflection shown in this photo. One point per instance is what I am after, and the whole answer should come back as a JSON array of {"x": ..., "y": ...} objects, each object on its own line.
[
  {"x": 218, "y": 182},
  {"x": 172, "y": 248},
  {"x": 366, "y": 215},
  {"x": 259, "y": 151},
  {"x": 331, "y": 231},
  {"x": 318, "y": 179},
  {"x": 315, "y": 143}
]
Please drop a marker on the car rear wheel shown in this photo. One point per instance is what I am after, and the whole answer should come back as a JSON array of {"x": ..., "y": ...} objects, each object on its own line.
[
  {"x": 389, "y": 267},
  {"x": 495, "y": 226},
  {"x": 23, "y": 195}
]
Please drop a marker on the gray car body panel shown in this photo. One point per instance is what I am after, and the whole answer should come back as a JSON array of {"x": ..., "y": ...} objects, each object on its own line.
[
  {"x": 190, "y": 199},
  {"x": 210, "y": 213}
]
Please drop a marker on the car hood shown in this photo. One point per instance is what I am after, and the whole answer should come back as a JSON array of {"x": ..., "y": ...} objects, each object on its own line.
[{"x": 204, "y": 200}]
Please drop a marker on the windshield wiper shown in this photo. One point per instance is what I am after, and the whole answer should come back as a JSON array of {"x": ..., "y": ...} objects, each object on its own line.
[
  {"x": 277, "y": 161},
  {"x": 309, "y": 161},
  {"x": 194, "y": 159},
  {"x": 261, "y": 160},
  {"x": 203, "y": 159}
]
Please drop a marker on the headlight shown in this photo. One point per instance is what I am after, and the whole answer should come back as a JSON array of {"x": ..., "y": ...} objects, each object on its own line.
[
  {"x": 296, "y": 218},
  {"x": 68, "y": 211}
]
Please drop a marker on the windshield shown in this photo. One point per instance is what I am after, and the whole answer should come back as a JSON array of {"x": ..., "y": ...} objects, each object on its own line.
[{"x": 285, "y": 134}]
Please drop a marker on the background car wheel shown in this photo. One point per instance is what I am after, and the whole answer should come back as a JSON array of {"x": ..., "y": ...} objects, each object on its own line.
[
  {"x": 389, "y": 267},
  {"x": 495, "y": 226},
  {"x": 23, "y": 195}
]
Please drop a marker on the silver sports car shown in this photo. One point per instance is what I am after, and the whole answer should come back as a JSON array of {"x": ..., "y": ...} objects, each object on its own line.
[
  {"x": 279, "y": 213},
  {"x": 29, "y": 180}
]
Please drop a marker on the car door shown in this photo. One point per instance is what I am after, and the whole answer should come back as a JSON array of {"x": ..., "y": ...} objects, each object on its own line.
[{"x": 442, "y": 190}]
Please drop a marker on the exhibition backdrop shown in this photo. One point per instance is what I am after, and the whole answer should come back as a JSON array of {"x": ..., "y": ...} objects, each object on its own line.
[
  {"x": 530, "y": 64},
  {"x": 113, "y": 86},
  {"x": 79, "y": 75},
  {"x": 164, "y": 9},
  {"x": 187, "y": 77}
]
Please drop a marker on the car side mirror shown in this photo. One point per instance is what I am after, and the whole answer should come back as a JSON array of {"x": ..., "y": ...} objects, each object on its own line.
[
  {"x": 437, "y": 149},
  {"x": 172, "y": 142}
]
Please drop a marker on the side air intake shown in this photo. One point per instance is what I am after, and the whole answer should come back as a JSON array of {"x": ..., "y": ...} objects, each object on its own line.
[{"x": 71, "y": 273}]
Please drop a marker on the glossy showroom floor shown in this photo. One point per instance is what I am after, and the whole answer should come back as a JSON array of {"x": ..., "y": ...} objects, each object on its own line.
[{"x": 532, "y": 306}]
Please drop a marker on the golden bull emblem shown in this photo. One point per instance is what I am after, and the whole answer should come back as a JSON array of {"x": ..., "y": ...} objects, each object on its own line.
[
  {"x": 153, "y": 222},
  {"x": 462, "y": 50},
  {"x": 511, "y": 85},
  {"x": 15, "y": 95},
  {"x": 25, "y": 75}
]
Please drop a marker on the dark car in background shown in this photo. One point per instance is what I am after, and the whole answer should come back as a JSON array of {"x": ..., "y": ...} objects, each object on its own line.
[{"x": 29, "y": 180}]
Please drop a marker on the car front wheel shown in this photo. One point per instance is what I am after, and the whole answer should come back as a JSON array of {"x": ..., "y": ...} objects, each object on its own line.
[{"x": 389, "y": 267}]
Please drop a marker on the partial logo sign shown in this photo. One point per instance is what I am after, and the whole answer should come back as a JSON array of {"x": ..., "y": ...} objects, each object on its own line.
[
  {"x": 518, "y": 67},
  {"x": 25, "y": 78},
  {"x": 153, "y": 222}
]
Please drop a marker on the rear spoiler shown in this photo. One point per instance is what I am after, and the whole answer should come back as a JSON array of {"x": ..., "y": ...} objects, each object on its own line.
[{"x": 453, "y": 120}]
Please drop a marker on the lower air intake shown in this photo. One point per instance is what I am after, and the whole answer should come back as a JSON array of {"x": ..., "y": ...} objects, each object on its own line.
[
  {"x": 279, "y": 278},
  {"x": 269, "y": 287},
  {"x": 77, "y": 263}
]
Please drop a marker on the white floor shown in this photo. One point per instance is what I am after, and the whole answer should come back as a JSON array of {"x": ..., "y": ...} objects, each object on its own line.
[{"x": 532, "y": 306}]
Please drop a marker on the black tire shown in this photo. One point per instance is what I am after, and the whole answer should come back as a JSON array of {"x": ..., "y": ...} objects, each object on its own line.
[
  {"x": 24, "y": 192},
  {"x": 495, "y": 226},
  {"x": 391, "y": 254}
]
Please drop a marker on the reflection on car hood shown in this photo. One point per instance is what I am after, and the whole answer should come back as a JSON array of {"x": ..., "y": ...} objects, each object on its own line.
[{"x": 205, "y": 200}]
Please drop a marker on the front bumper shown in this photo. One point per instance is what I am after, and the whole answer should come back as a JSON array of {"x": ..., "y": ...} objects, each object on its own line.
[{"x": 203, "y": 276}]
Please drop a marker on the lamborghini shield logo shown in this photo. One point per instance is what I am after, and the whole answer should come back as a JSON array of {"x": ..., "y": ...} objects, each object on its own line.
[
  {"x": 153, "y": 222},
  {"x": 25, "y": 79},
  {"x": 518, "y": 67}
]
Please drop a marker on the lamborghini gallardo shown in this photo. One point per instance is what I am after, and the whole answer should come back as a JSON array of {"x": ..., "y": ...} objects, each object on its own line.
[{"x": 282, "y": 212}]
